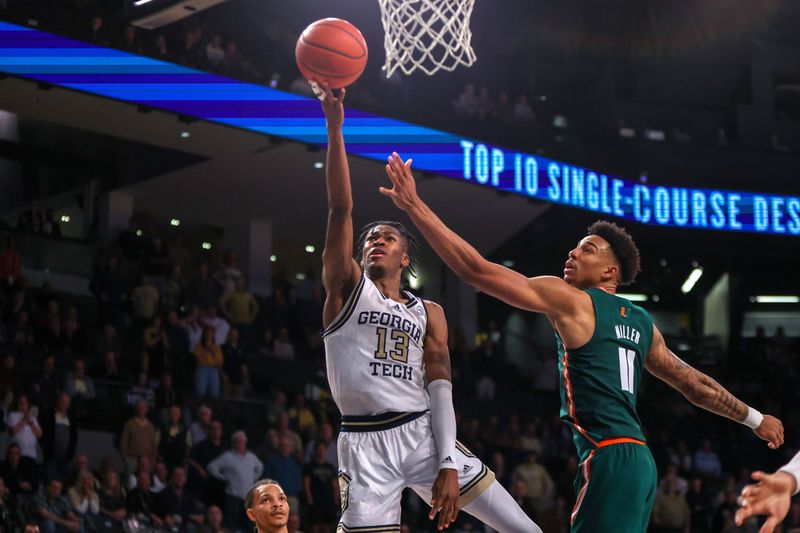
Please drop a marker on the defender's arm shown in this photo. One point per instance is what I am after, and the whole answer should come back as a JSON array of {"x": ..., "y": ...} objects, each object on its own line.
[
  {"x": 705, "y": 392},
  {"x": 544, "y": 294},
  {"x": 340, "y": 272}
]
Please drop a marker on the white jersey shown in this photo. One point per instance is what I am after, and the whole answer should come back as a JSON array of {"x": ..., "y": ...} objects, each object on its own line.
[{"x": 373, "y": 352}]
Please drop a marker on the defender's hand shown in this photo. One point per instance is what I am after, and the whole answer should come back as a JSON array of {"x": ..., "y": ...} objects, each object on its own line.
[
  {"x": 771, "y": 496},
  {"x": 404, "y": 190},
  {"x": 770, "y": 430},
  {"x": 331, "y": 105},
  {"x": 444, "y": 498}
]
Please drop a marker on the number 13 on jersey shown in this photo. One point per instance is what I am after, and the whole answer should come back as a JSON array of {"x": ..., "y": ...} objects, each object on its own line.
[{"x": 401, "y": 340}]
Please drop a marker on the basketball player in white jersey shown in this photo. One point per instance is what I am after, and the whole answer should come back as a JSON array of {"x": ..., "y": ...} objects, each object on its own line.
[{"x": 382, "y": 345}]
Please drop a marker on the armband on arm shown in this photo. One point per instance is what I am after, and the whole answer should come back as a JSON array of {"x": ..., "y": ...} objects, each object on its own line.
[{"x": 443, "y": 420}]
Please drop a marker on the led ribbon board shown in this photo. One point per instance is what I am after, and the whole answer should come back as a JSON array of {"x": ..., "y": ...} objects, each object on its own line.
[{"x": 110, "y": 73}]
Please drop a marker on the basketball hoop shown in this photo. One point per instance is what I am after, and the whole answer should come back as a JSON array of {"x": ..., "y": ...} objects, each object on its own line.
[{"x": 426, "y": 34}]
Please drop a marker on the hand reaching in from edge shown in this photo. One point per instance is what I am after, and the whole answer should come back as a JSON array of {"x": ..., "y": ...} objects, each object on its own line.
[
  {"x": 770, "y": 496},
  {"x": 404, "y": 189}
]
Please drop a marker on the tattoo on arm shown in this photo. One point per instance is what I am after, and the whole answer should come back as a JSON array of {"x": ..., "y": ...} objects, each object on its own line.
[
  {"x": 721, "y": 401},
  {"x": 698, "y": 388},
  {"x": 681, "y": 365}
]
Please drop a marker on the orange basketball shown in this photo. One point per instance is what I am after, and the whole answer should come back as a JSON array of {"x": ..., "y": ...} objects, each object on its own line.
[{"x": 331, "y": 50}]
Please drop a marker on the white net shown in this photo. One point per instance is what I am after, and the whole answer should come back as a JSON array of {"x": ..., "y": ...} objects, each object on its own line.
[{"x": 426, "y": 34}]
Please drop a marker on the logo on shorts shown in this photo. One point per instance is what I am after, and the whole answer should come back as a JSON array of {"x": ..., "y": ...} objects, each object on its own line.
[
  {"x": 344, "y": 489},
  {"x": 466, "y": 470}
]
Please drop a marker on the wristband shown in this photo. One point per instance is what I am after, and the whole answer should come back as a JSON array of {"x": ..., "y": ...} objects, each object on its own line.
[{"x": 753, "y": 418}]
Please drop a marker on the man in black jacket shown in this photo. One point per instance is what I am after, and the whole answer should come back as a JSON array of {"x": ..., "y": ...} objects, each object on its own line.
[
  {"x": 59, "y": 436},
  {"x": 178, "y": 504},
  {"x": 18, "y": 472},
  {"x": 143, "y": 504}
]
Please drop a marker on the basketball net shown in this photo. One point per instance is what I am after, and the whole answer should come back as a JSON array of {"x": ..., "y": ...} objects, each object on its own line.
[{"x": 426, "y": 34}]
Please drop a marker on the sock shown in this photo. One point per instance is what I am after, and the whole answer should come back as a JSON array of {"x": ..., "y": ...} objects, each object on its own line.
[{"x": 496, "y": 508}]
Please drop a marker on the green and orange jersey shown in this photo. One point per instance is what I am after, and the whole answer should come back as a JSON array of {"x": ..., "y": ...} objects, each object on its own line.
[{"x": 600, "y": 380}]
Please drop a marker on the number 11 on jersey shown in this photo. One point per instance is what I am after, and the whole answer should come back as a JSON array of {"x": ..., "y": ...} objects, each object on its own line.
[{"x": 626, "y": 359}]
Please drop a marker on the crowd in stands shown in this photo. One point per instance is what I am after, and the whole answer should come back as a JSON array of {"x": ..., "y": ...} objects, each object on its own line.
[
  {"x": 66, "y": 370},
  {"x": 199, "y": 46},
  {"x": 173, "y": 353},
  {"x": 483, "y": 106},
  {"x": 35, "y": 222}
]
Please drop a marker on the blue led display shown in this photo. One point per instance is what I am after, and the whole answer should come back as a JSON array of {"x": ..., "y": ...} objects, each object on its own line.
[{"x": 85, "y": 67}]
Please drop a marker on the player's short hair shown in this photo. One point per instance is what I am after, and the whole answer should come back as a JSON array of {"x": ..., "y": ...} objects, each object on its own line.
[
  {"x": 622, "y": 245},
  {"x": 251, "y": 494},
  {"x": 412, "y": 244}
]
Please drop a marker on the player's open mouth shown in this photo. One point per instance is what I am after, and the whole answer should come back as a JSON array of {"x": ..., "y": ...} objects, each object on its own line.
[
  {"x": 377, "y": 253},
  {"x": 569, "y": 267}
]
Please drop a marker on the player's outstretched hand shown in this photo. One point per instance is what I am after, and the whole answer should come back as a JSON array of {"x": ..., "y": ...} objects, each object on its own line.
[
  {"x": 331, "y": 104},
  {"x": 770, "y": 496},
  {"x": 770, "y": 430},
  {"x": 444, "y": 500},
  {"x": 404, "y": 189}
]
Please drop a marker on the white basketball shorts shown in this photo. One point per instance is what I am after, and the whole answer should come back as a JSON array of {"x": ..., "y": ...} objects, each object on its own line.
[{"x": 381, "y": 455}]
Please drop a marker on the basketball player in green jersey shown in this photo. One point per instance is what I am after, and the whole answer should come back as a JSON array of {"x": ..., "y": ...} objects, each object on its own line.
[{"x": 604, "y": 341}]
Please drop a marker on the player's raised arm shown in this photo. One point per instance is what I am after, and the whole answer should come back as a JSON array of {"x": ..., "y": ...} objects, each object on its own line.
[
  {"x": 445, "y": 491},
  {"x": 340, "y": 272},
  {"x": 705, "y": 392},
  {"x": 544, "y": 294}
]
